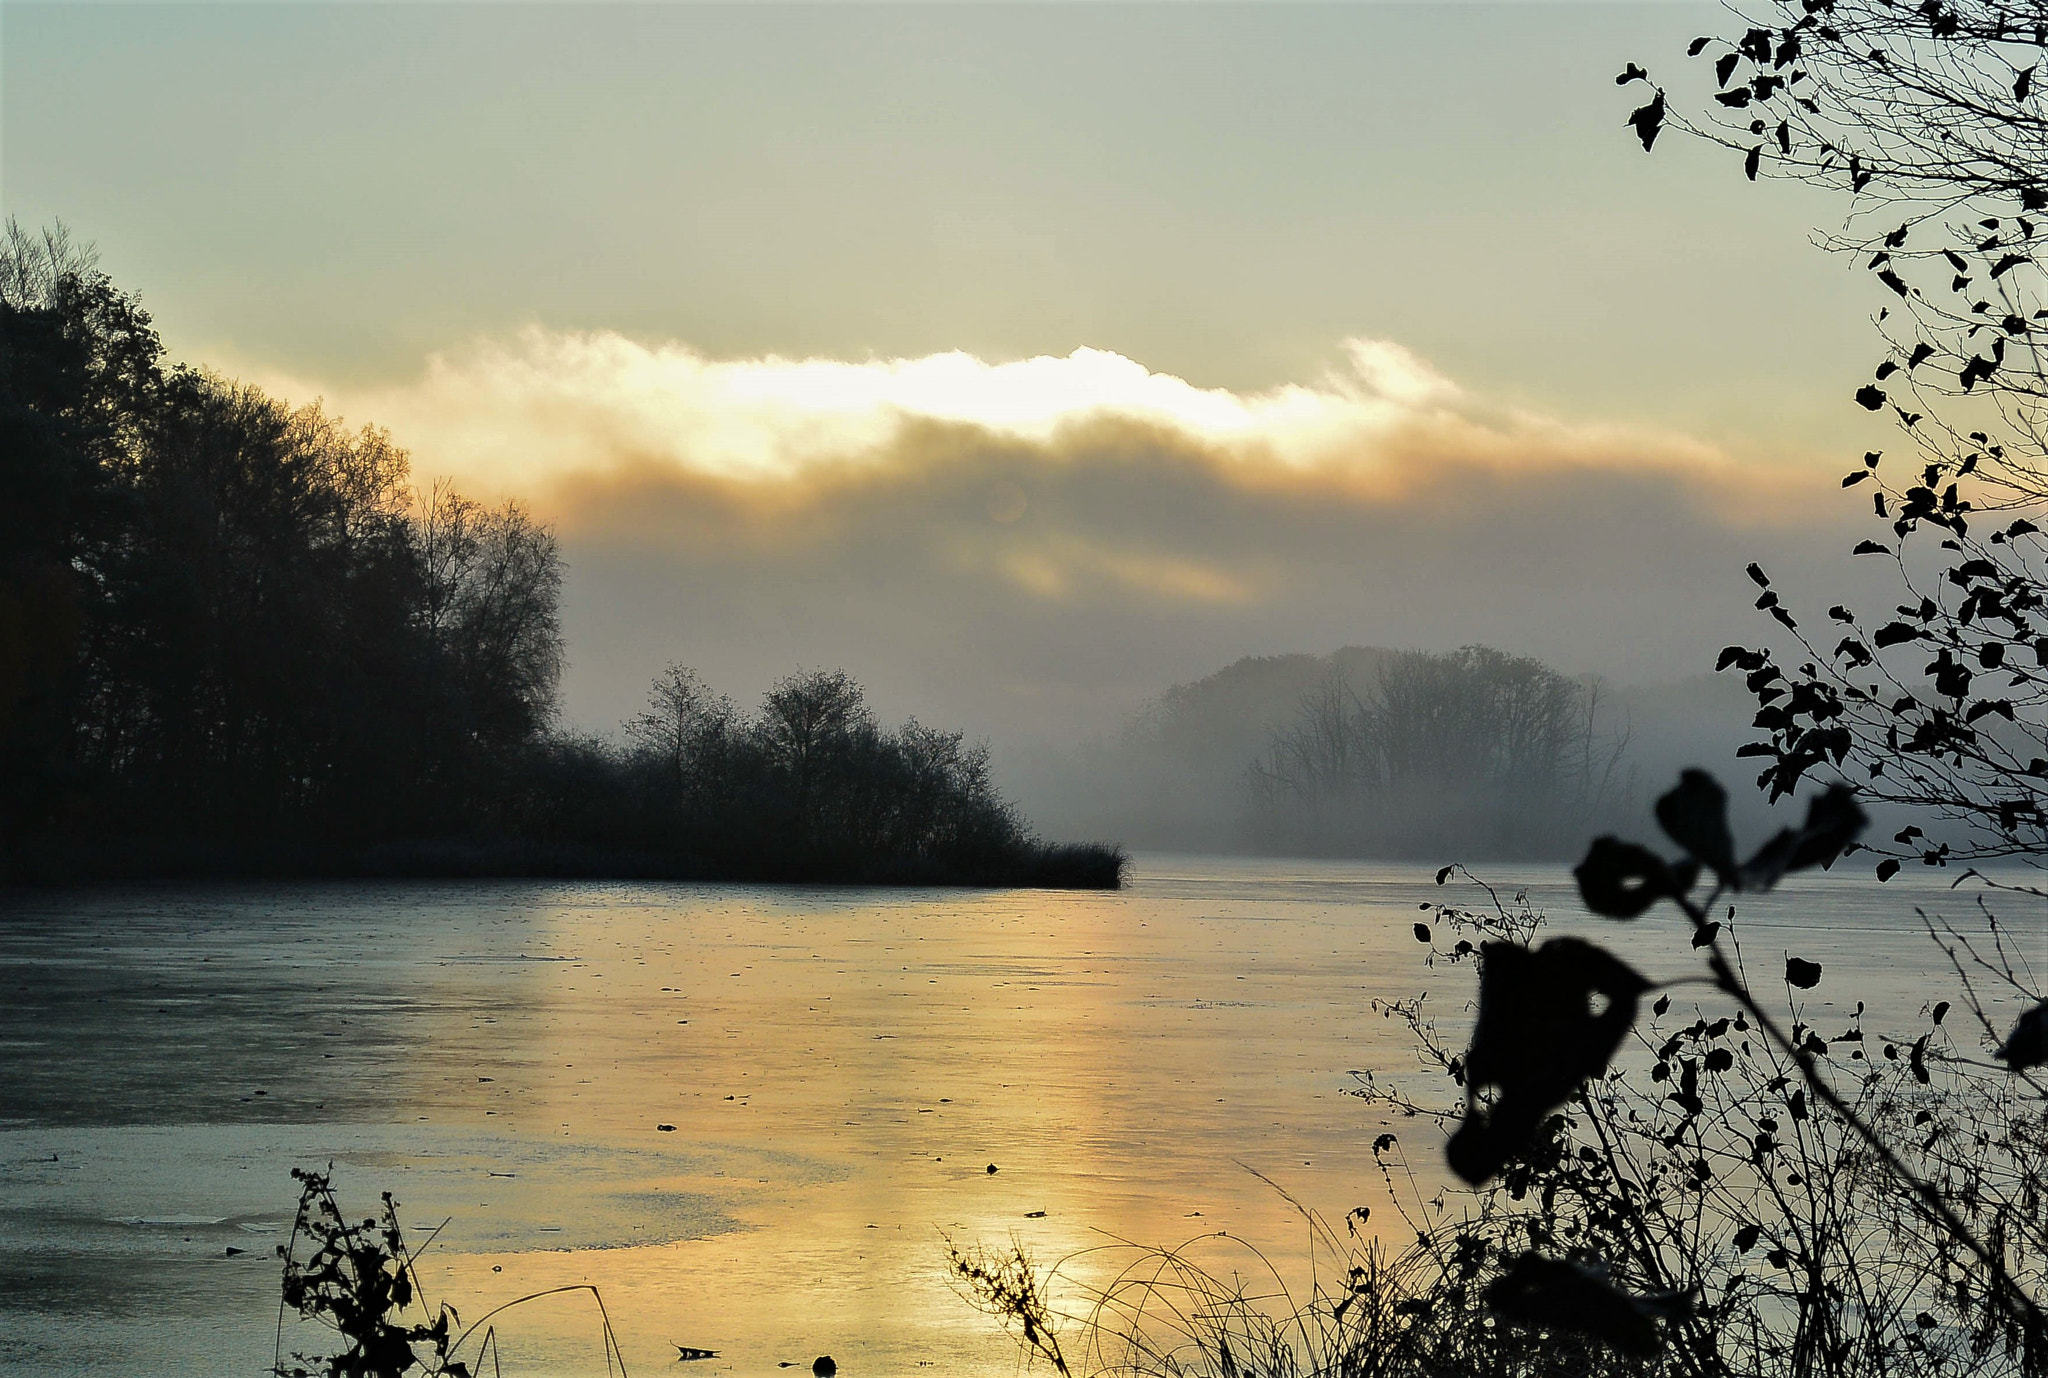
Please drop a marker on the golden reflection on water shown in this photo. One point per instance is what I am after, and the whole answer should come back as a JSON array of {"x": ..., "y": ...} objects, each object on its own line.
[{"x": 850, "y": 1065}]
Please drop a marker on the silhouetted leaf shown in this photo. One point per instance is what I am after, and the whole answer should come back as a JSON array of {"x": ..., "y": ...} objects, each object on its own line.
[
  {"x": 1833, "y": 821},
  {"x": 1631, "y": 73},
  {"x": 1746, "y": 1237},
  {"x": 1694, "y": 814},
  {"x": 2027, "y": 1044},
  {"x": 1704, "y": 935},
  {"x": 1422, "y": 933},
  {"x": 1802, "y": 973},
  {"x": 1648, "y": 120},
  {"x": 1551, "y": 1294},
  {"x": 1620, "y": 879},
  {"x": 1536, "y": 1040},
  {"x": 1444, "y": 874}
]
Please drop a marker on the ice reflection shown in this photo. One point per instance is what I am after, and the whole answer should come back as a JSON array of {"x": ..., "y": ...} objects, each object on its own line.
[{"x": 840, "y": 1069}]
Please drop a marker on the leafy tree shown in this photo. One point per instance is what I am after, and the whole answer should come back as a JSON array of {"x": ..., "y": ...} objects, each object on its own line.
[{"x": 1927, "y": 118}]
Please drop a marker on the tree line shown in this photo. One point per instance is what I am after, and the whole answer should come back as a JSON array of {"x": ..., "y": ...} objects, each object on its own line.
[
  {"x": 235, "y": 637},
  {"x": 812, "y": 786}
]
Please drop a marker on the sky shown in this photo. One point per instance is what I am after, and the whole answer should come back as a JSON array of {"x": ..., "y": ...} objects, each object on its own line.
[{"x": 1022, "y": 360}]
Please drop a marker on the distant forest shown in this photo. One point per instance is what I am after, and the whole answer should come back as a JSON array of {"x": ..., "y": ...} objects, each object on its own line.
[
  {"x": 236, "y": 639},
  {"x": 1379, "y": 753},
  {"x": 1499, "y": 752}
]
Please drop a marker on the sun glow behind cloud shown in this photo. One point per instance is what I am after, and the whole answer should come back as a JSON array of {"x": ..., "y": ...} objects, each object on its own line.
[{"x": 524, "y": 415}]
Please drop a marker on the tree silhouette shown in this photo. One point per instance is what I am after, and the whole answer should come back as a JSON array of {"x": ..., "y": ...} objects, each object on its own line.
[
  {"x": 680, "y": 724},
  {"x": 811, "y": 786},
  {"x": 222, "y": 618}
]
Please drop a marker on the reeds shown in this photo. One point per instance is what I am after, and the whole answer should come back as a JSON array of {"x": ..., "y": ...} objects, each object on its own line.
[{"x": 362, "y": 1282}]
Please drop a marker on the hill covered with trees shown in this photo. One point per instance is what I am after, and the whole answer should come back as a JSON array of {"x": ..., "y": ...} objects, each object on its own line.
[
  {"x": 1500, "y": 753},
  {"x": 1375, "y": 752}
]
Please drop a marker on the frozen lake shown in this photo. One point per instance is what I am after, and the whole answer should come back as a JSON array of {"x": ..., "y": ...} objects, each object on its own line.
[{"x": 841, "y": 1068}]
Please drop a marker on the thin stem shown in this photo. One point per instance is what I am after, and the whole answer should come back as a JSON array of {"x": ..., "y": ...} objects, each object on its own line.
[
  {"x": 1699, "y": 1356},
  {"x": 2016, "y": 1302}
]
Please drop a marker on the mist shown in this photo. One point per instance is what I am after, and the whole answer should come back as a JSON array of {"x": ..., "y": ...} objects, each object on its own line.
[{"x": 1034, "y": 550}]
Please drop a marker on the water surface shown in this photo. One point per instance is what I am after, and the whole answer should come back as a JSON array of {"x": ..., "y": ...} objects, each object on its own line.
[{"x": 841, "y": 1068}]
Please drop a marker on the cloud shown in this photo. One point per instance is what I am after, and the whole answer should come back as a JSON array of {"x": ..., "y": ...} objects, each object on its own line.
[
  {"x": 544, "y": 407},
  {"x": 1033, "y": 546}
]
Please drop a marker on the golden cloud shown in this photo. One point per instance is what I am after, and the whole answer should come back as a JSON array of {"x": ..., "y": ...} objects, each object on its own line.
[{"x": 547, "y": 409}]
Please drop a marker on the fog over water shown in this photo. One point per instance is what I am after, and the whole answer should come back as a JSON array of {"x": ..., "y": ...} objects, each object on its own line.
[{"x": 841, "y": 1068}]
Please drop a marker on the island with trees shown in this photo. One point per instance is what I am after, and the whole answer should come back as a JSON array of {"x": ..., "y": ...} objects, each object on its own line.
[{"x": 236, "y": 640}]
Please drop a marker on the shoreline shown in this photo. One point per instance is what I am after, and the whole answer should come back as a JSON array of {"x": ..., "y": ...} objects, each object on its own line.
[{"x": 1048, "y": 866}]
